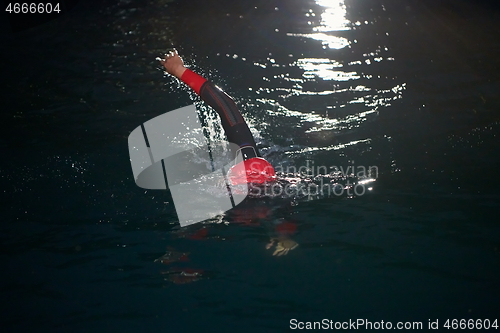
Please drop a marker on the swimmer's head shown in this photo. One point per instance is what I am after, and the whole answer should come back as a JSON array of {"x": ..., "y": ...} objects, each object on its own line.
[{"x": 255, "y": 170}]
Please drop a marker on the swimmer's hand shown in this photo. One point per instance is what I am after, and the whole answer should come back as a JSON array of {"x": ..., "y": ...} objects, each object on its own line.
[
  {"x": 283, "y": 247},
  {"x": 173, "y": 63}
]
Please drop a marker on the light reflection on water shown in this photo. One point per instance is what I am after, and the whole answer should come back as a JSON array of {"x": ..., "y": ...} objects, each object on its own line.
[
  {"x": 341, "y": 91},
  {"x": 333, "y": 42},
  {"x": 323, "y": 68},
  {"x": 333, "y": 19},
  {"x": 334, "y": 16}
]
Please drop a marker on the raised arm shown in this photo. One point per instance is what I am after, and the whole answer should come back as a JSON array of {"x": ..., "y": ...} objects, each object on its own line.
[
  {"x": 233, "y": 123},
  {"x": 253, "y": 169}
]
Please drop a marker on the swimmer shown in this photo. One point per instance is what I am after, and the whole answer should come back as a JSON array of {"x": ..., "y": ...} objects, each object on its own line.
[{"x": 254, "y": 169}]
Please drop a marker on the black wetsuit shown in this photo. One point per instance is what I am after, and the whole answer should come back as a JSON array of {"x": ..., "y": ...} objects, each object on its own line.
[{"x": 234, "y": 125}]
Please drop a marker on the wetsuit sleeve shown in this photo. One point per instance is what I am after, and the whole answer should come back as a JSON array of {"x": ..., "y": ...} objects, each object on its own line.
[
  {"x": 234, "y": 125},
  {"x": 193, "y": 80}
]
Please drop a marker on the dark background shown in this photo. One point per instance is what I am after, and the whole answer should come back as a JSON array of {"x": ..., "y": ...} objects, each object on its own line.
[{"x": 79, "y": 238}]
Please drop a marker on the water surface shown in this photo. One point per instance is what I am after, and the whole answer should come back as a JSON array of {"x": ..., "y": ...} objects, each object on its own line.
[{"x": 407, "y": 86}]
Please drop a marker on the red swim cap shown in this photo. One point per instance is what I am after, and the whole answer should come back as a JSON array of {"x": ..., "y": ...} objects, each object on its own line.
[{"x": 255, "y": 170}]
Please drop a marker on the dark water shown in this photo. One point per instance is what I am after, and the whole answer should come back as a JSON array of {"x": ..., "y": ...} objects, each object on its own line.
[{"x": 408, "y": 86}]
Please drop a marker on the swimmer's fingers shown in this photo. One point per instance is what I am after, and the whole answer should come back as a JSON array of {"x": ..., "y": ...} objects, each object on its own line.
[
  {"x": 173, "y": 63},
  {"x": 167, "y": 56},
  {"x": 172, "y": 54},
  {"x": 271, "y": 243}
]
